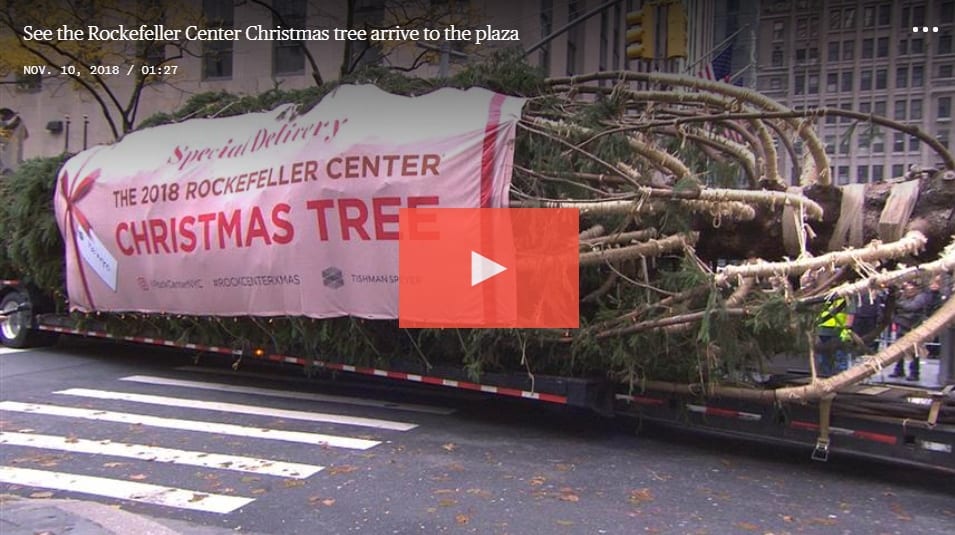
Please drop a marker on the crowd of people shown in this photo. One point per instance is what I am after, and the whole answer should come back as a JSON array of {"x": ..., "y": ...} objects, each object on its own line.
[{"x": 856, "y": 322}]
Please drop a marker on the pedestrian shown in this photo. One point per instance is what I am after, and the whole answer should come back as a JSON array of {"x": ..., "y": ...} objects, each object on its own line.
[
  {"x": 866, "y": 311},
  {"x": 910, "y": 309}
]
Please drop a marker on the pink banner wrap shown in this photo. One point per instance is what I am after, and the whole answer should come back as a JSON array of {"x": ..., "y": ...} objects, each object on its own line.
[{"x": 276, "y": 213}]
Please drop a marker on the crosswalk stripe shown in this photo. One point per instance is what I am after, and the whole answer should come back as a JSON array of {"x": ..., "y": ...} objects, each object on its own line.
[
  {"x": 161, "y": 455},
  {"x": 4, "y": 350},
  {"x": 190, "y": 425},
  {"x": 239, "y": 408},
  {"x": 124, "y": 490},
  {"x": 222, "y": 387}
]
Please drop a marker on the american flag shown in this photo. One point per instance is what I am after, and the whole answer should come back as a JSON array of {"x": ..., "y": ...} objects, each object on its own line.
[{"x": 721, "y": 69}]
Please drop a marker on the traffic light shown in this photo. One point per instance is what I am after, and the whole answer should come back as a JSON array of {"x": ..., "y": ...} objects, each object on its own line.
[
  {"x": 640, "y": 33},
  {"x": 676, "y": 31}
]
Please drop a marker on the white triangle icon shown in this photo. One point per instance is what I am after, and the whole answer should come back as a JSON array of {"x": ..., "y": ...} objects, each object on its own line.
[{"x": 483, "y": 268}]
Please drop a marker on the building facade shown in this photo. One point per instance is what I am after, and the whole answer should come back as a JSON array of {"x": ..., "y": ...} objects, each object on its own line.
[{"x": 863, "y": 56}]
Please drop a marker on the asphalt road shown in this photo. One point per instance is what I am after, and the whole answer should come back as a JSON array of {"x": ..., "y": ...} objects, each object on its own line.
[{"x": 267, "y": 451}]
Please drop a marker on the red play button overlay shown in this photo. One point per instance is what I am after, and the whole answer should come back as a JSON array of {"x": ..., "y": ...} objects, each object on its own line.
[{"x": 488, "y": 267}]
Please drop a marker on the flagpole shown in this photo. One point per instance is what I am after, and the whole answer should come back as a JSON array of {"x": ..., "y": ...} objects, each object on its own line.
[{"x": 713, "y": 50}]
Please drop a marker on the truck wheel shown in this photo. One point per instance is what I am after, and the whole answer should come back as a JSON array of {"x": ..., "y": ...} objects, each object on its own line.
[{"x": 15, "y": 327}]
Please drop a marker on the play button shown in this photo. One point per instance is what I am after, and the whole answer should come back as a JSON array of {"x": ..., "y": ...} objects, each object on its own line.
[{"x": 483, "y": 268}]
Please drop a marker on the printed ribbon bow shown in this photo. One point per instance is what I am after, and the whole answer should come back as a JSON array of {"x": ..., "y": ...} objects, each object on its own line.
[{"x": 75, "y": 216}]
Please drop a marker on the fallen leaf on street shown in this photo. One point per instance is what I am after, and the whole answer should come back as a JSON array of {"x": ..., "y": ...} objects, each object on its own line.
[
  {"x": 462, "y": 518},
  {"x": 328, "y": 502},
  {"x": 198, "y": 497},
  {"x": 569, "y": 497},
  {"x": 138, "y": 477},
  {"x": 641, "y": 495},
  {"x": 450, "y": 446},
  {"x": 565, "y": 522},
  {"x": 113, "y": 465},
  {"x": 443, "y": 491},
  {"x": 343, "y": 469},
  {"x": 747, "y": 526},
  {"x": 447, "y": 502},
  {"x": 538, "y": 480},
  {"x": 44, "y": 494},
  {"x": 71, "y": 439},
  {"x": 259, "y": 491},
  {"x": 564, "y": 467}
]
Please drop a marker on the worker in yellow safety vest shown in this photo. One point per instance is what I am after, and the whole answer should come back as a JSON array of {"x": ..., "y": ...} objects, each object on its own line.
[{"x": 835, "y": 321}]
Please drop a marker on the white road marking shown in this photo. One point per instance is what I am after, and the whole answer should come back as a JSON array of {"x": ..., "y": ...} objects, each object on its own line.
[
  {"x": 239, "y": 408},
  {"x": 4, "y": 350},
  {"x": 124, "y": 490},
  {"x": 222, "y": 387},
  {"x": 190, "y": 425},
  {"x": 161, "y": 455}
]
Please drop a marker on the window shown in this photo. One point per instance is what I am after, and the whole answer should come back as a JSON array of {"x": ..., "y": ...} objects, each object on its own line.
[
  {"x": 217, "y": 55},
  {"x": 779, "y": 30},
  {"x": 814, "y": 27},
  {"x": 847, "y": 81},
  {"x": 913, "y": 144},
  {"x": 881, "y": 78},
  {"x": 918, "y": 16},
  {"x": 947, "y": 12},
  {"x": 777, "y": 56},
  {"x": 902, "y": 76},
  {"x": 944, "y": 44},
  {"x": 898, "y": 170},
  {"x": 868, "y": 17},
  {"x": 864, "y": 142},
  {"x": 830, "y": 144},
  {"x": 846, "y": 106},
  {"x": 865, "y": 107},
  {"x": 832, "y": 82},
  {"x": 775, "y": 83},
  {"x": 843, "y": 175},
  {"x": 915, "y": 109},
  {"x": 942, "y": 137},
  {"x": 800, "y": 55},
  {"x": 833, "y": 51},
  {"x": 848, "y": 50},
  {"x": 944, "y": 108},
  {"x": 918, "y": 75},
  {"x": 288, "y": 57},
  {"x": 849, "y": 18},
  {"x": 865, "y": 80},
  {"x": 878, "y": 141},
  {"x": 903, "y": 47},
  {"x": 945, "y": 71},
  {"x": 845, "y": 143},
  {"x": 899, "y": 110},
  {"x": 802, "y": 29},
  {"x": 573, "y": 39},
  {"x": 800, "y": 82},
  {"x": 885, "y": 15},
  {"x": 917, "y": 46},
  {"x": 868, "y": 48},
  {"x": 880, "y": 108},
  {"x": 835, "y": 19},
  {"x": 882, "y": 47},
  {"x": 898, "y": 144},
  {"x": 813, "y": 54},
  {"x": 813, "y": 84},
  {"x": 878, "y": 173},
  {"x": 862, "y": 174}
]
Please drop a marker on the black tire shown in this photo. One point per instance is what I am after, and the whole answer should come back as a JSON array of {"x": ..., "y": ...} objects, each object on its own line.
[{"x": 16, "y": 328}]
